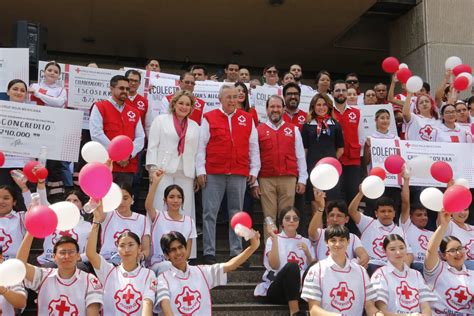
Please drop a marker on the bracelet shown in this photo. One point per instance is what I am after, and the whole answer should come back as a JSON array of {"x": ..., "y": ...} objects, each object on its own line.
[
  {"x": 321, "y": 210},
  {"x": 98, "y": 223}
]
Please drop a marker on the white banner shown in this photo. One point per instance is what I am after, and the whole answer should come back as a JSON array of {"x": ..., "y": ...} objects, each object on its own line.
[
  {"x": 14, "y": 64},
  {"x": 25, "y": 128},
  {"x": 305, "y": 100},
  {"x": 367, "y": 120},
  {"x": 458, "y": 156},
  {"x": 259, "y": 100}
]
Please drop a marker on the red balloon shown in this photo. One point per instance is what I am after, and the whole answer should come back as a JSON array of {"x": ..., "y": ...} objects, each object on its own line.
[
  {"x": 441, "y": 171},
  {"x": 241, "y": 218},
  {"x": 333, "y": 162},
  {"x": 457, "y": 198},
  {"x": 28, "y": 171},
  {"x": 95, "y": 179},
  {"x": 394, "y": 164},
  {"x": 120, "y": 148},
  {"x": 379, "y": 172},
  {"x": 404, "y": 74},
  {"x": 41, "y": 221},
  {"x": 461, "y": 83},
  {"x": 42, "y": 173},
  {"x": 462, "y": 68},
  {"x": 2, "y": 158},
  {"x": 390, "y": 65}
]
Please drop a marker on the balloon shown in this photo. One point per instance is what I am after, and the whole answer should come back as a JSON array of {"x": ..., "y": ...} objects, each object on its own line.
[
  {"x": 379, "y": 172},
  {"x": 2, "y": 158},
  {"x": 414, "y": 84},
  {"x": 41, "y": 221},
  {"x": 390, "y": 65},
  {"x": 394, "y": 164},
  {"x": 241, "y": 218},
  {"x": 467, "y": 75},
  {"x": 95, "y": 179},
  {"x": 404, "y": 74},
  {"x": 461, "y": 83},
  {"x": 94, "y": 152},
  {"x": 324, "y": 177},
  {"x": 12, "y": 272},
  {"x": 402, "y": 65},
  {"x": 28, "y": 171},
  {"x": 463, "y": 182},
  {"x": 452, "y": 62},
  {"x": 333, "y": 162},
  {"x": 441, "y": 171},
  {"x": 68, "y": 215},
  {"x": 373, "y": 187},
  {"x": 112, "y": 199},
  {"x": 432, "y": 199},
  {"x": 462, "y": 68},
  {"x": 457, "y": 198},
  {"x": 120, "y": 148},
  {"x": 420, "y": 166},
  {"x": 41, "y": 173}
]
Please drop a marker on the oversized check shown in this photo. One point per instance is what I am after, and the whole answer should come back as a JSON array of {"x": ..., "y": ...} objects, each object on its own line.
[
  {"x": 14, "y": 64},
  {"x": 25, "y": 128},
  {"x": 458, "y": 156},
  {"x": 209, "y": 92}
]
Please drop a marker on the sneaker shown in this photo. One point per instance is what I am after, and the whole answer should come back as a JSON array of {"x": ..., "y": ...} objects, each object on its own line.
[{"x": 209, "y": 259}]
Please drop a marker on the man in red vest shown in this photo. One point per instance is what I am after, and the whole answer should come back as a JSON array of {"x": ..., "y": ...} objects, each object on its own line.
[
  {"x": 292, "y": 114},
  {"x": 116, "y": 116},
  {"x": 227, "y": 157},
  {"x": 137, "y": 100},
  {"x": 283, "y": 165}
]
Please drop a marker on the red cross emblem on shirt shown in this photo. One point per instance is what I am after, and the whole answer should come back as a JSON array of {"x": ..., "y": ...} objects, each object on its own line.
[
  {"x": 342, "y": 297},
  {"x": 62, "y": 307},
  {"x": 377, "y": 247},
  {"x": 5, "y": 240},
  {"x": 117, "y": 234},
  {"x": 293, "y": 257},
  {"x": 352, "y": 116},
  {"x": 188, "y": 301},
  {"x": 459, "y": 298},
  {"x": 128, "y": 300},
  {"x": 96, "y": 285},
  {"x": 408, "y": 296},
  {"x": 425, "y": 132},
  {"x": 423, "y": 240}
]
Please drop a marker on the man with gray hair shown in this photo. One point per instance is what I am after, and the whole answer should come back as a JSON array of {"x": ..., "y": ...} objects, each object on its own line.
[{"x": 227, "y": 158}]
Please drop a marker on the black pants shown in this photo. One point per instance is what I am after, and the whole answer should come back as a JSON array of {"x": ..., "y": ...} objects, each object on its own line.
[
  {"x": 350, "y": 187},
  {"x": 286, "y": 286}
]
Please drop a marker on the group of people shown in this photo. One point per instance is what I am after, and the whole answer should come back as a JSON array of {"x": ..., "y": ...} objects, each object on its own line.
[{"x": 225, "y": 159}]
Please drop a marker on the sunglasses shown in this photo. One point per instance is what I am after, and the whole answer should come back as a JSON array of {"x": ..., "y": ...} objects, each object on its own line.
[{"x": 352, "y": 81}]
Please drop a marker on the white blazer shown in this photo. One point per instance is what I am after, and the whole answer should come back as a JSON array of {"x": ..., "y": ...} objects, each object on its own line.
[{"x": 163, "y": 145}]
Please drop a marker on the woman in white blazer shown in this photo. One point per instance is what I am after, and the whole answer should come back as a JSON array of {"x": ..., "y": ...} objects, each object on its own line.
[{"x": 172, "y": 146}]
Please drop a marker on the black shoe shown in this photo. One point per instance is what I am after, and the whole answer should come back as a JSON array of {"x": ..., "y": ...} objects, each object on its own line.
[{"x": 209, "y": 259}]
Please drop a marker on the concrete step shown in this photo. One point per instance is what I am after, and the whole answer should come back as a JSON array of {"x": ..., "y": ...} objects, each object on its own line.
[
  {"x": 234, "y": 292},
  {"x": 245, "y": 309},
  {"x": 253, "y": 274}
]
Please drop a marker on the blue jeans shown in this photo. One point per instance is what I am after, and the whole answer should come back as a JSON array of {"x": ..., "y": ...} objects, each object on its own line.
[{"x": 212, "y": 194}]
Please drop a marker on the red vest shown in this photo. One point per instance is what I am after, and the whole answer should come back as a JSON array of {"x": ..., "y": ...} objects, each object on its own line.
[
  {"x": 141, "y": 104},
  {"x": 349, "y": 121},
  {"x": 226, "y": 152},
  {"x": 298, "y": 119},
  {"x": 116, "y": 123},
  {"x": 277, "y": 151},
  {"x": 198, "y": 110}
]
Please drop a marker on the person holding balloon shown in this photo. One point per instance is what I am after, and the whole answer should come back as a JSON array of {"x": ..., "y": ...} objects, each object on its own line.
[
  {"x": 12, "y": 298},
  {"x": 449, "y": 131},
  {"x": 446, "y": 274},
  {"x": 166, "y": 220},
  {"x": 287, "y": 255},
  {"x": 129, "y": 288}
]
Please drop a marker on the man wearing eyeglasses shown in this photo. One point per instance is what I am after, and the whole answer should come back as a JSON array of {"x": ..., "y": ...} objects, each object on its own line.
[
  {"x": 104, "y": 125},
  {"x": 352, "y": 81},
  {"x": 292, "y": 114}
]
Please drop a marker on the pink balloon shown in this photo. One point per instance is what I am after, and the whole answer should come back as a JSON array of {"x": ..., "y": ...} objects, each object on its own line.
[
  {"x": 41, "y": 221},
  {"x": 441, "y": 171},
  {"x": 28, "y": 171},
  {"x": 461, "y": 83},
  {"x": 379, "y": 172},
  {"x": 333, "y": 162},
  {"x": 242, "y": 218},
  {"x": 390, "y": 65},
  {"x": 120, "y": 148},
  {"x": 95, "y": 179},
  {"x": 404, "y": 74},
  {"x": 457, "y": 198},
  {"x": 2, "y": 158},
  {"x": 462, "y": 68},
  {"x": 394, "y": 164}
]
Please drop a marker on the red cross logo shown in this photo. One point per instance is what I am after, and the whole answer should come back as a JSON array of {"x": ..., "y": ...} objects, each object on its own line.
[
  {"x": 459, "y": 298},
  {"x": 96, "y": 285},
  {"x": 301, "y": 118},
  {"x": 293, "y": 257},
  {"x": 78, "y": 70},
  {"x": 157, "y": 76},
  {"x": 425, "y": 132},
  {"x": 241, "y": 119},
  {"x": 352, "y": 116},
  {"x": 342, "y": 297},
  {"x": 5, "y": 240},
  {"x": 141, "y": 105},
  {"x": 377, "y": 247},
  {"x": 117, "y": 234},
  {"x": 408, "y": 296},
  {"x": 407, "y": 145},
  {"x": 288, "y": 131},
  {"x": 62, "y": 306},
  {"x": 65, "y": 233},
  {"x": 423, "y": 240},
  {"x": 188, "y": 301},
  {"x": 70, "y": 233},
  {"x": 128, "y": 300},
  {"x": 131, "y": 115},
  {"x": 197, "y": 104}
]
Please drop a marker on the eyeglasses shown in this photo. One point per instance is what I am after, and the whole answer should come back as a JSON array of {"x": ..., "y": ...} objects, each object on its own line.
[
  {"x": 133, "y": 81},
  {"x": 123, "y": 88},
  {"x": 63, "y": 253},
  {"x": 450, "y": 112},
  {"x": 189, "y": 82},
  {"x": 352, "y": 81},
  {"x": 340, "y": 90},
  {"x": 272, "y": 71},
  {"x": 454, "y": 251},
  {"x": 289, "y": 218}
]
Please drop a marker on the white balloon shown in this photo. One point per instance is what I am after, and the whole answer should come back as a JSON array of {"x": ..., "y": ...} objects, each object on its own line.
[
  {"x": 12, "y": 272},
  {"x": 402, "y": 65},
  {"x": 94, "y": 152},
  {"x": 324, "y": 177},
  {"x": 112, "y": 199},
  {"x": 420, "y": 167},
  {"x": 468, "y": 76},
  {"x": 373, "y": 187},
  {"x": 452, "y": 62},
  {"x": 432, "y": 199},
  {"x": 463, "y": 182},
  {"x": 68, "y": 215},
  {"x": 414, "y": 84}
]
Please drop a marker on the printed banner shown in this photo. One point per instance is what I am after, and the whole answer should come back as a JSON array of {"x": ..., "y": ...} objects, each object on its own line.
[
  {"x": 209, "y": 92},
  {"x": 259, "y": 100},
  {"x": 25, "y": 128},
  {"x": 459, "y": 156},
  {"x": 305, "y": 99},
  {"x": 14, "y": 64}
]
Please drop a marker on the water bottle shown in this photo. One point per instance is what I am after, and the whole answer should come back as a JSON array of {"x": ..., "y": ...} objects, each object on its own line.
[
  {"x": 90, "y": 206},
  {"x": 242, "y": 231},
  {"x": 42, "y": 155},
  {"x": 269, "y": 222},
  {"x": 35, "y": 199},
  {"x": 17, "y": 174}
]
